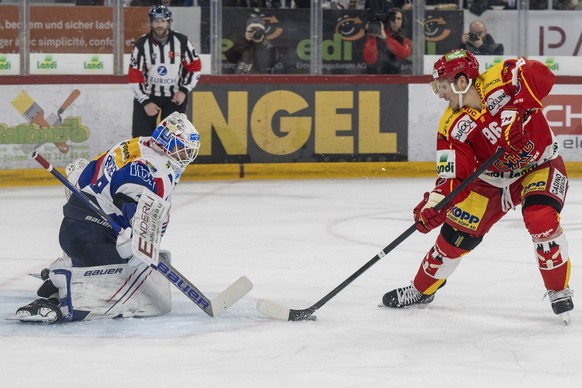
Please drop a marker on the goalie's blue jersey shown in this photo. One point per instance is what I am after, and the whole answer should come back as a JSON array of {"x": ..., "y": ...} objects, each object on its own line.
[{"x": 118, "y": 177}]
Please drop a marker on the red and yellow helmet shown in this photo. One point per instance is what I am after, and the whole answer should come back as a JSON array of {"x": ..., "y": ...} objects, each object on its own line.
[{"x": 455, "y": 63}]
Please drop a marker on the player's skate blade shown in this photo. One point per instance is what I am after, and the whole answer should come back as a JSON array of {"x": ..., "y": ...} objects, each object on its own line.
[{"x": 405, "y": 297}]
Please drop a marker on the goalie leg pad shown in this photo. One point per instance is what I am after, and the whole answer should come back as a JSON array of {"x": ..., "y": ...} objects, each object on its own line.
[{"x": 110, "y": 291}]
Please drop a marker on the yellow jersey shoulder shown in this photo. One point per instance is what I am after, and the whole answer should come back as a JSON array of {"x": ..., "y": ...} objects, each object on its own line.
[{"x": 490, "y": 80}]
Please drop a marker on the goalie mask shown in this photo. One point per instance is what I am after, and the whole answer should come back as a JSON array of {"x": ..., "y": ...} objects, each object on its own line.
[{"x": 177, "y": 138}]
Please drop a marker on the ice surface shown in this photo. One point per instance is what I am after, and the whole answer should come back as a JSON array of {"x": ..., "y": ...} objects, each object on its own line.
[{"x": 296, "y": 241}]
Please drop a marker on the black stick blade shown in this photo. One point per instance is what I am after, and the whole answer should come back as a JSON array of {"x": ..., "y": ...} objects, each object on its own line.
[{"x": 302, "y": 315}]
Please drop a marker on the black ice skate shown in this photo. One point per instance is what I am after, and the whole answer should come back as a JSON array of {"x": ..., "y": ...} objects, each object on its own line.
[
  {"x": 562, "y": 303},
  {"x": 41, "y": 310},
  {"x": 404, "y": 297}
]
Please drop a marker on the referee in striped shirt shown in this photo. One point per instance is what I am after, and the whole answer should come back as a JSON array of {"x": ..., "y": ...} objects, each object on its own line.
[{"x": 164, "y": 68}]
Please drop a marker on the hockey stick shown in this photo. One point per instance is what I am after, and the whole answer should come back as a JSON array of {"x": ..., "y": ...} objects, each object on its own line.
[
  {"x": 276, "y": 311},
  {"x": 212, "y": 307}
]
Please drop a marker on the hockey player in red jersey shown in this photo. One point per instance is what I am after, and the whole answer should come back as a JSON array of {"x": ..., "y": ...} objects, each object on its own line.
[{"x": 498, "y": 108}]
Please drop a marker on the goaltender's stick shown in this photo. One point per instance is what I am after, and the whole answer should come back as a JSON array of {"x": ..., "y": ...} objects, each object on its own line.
[
  {"x": 212, "y": 307},
  {"x": 276, "y": 311}
]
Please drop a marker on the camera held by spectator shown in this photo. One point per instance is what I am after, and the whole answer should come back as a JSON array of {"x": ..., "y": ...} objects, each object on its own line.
[
  {"x": 375, "y": 25},
  {"x": 253, "y": 54},
  {"x": 386, "y": 49},
  {"x": 255, "y": 30},
  {"x": 479, "y": 42},
  {"x": 258, "y": 33}
]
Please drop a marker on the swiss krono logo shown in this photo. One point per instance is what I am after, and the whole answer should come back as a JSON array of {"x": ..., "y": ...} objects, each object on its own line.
[
  {"x": 93, "y": 64},
  {"x": 48, "y": 63}
]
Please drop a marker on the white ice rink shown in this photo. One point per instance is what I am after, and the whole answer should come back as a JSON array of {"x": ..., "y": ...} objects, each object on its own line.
[{"x": 297, "y": 241}]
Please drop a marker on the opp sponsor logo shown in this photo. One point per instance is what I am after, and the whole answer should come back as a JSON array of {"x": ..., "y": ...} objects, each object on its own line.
[
  {"x": 464, "y": 218},
  {"x": 534, "y": 186}
]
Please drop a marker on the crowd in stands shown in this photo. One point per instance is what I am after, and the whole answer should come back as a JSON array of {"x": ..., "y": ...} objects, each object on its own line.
[{"x": 475, "y": 6}]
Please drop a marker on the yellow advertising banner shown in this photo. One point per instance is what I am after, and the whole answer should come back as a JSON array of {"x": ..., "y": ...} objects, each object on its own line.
[{"x": 307, "y": 122}]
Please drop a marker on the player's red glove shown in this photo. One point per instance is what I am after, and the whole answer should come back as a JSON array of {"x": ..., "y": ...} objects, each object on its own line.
[
  {"x": 428, "y": 218},
  {"x": 513, "y": 137}
]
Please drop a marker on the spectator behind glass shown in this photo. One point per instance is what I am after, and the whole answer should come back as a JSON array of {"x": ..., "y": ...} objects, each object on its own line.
[
  {"x": 343, "y": 4},
  {"x": 478, "y": 41},
  {"x": 253, "y": 54},
  {"x": 165, "y": 3},
  {"x": 379, "y": 6},
  {"x": 246, "y": 3},
  {"x": 543, "y": 4},
  {"x": 386, "y": 49}
]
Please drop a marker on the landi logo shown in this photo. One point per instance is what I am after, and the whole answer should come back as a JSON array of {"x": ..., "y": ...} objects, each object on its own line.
[
  {"x": 47, "y": 64},
  {"x": 93, "y": 64},
  {"x": 564, "y": 113},
  {"x": 446, "y": 163},
  {"x": 552, "y": 64},
  {"x": 5, "y": 64}
]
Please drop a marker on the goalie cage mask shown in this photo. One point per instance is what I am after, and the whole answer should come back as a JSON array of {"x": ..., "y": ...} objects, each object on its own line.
[{"x": 178, "y": 139}]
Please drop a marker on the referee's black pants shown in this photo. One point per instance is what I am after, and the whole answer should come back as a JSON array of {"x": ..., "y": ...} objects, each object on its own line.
[{"x": 144, "y": 125}]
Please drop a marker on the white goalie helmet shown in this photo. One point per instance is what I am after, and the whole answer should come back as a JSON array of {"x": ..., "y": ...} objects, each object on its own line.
[{"x": 178, "y": 139}]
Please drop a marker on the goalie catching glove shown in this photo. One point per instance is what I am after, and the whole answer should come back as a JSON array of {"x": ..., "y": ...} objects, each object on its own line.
[
  {"x": 513, "y": 137},
  {"x": 426, "y": 216}
]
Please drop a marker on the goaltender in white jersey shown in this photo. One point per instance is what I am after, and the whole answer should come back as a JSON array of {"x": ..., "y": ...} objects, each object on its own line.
[{"x": 96, "y": 277}]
